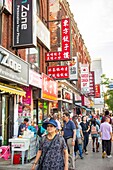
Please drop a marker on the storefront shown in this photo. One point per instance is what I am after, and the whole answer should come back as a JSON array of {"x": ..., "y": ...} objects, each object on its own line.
[
  {"x": 77, "y": 102},
  {"x": 66, "y": 97},
  {"x": 49, "y": 95},
  {"x": 14, "y": 72},
  {"x": 85, "y": 105}
]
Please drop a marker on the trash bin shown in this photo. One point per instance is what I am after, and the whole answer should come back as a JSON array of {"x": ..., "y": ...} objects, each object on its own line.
[{"x": 16, "y": 158}]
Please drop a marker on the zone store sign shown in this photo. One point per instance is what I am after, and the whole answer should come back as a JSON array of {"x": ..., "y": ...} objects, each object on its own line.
[{"x": 59, "y": 72}]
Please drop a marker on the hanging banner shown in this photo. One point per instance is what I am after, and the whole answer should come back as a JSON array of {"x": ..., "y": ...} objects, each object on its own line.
[
  {"x": 65, "y": 54},
  {"x": 91, "y": 84},
  {"x": 97, "y": 91},
  {"x": 24, "y": 23},
  {"x": 66, "y": 38},
  {"x": 73, "y": 67}
]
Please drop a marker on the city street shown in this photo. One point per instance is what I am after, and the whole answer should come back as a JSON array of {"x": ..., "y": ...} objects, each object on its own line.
[{"x": 92, "y": 161}]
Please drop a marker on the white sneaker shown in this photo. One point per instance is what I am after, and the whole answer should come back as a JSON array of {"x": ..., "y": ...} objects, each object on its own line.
[{"x": 109, "y": 156}]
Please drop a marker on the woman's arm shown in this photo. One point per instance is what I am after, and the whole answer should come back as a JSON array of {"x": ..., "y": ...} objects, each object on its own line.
[
  {"x": 36, "y": 160},
  {"x": 81, "y": 134},
  {"x": 65, "y": 159}
]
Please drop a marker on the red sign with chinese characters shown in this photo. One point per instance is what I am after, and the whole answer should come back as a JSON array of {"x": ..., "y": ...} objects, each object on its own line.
[
  {"x": 91, "y": 84},
  {"x": 49, "y": 88},
  {"x": 59, "y": 72},
  {"x": 53, "y": 56},
  {"x": 97, "y": 91},
  {"x": 65, "y": 53},
  {"x": 66, "y": 38}
]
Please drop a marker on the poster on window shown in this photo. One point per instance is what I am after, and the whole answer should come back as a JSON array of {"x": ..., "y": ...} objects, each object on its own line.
[{"x": 73, "y": 67}]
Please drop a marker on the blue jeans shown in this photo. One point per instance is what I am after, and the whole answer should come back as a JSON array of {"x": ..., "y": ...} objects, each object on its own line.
[{"x": 80, "y": 150}]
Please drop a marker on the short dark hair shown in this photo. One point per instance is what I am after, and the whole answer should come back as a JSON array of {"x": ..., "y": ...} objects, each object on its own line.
[
  {"x": 106, "y": 112},
  {"x": 26, "y": 120},
  {"x": 66, "y": 114}
]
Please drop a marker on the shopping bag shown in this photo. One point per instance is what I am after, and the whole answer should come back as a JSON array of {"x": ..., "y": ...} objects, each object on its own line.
[{"x": 79, "y": 141}]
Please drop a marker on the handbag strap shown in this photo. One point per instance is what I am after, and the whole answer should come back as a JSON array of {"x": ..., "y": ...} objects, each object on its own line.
[{"x": 48, "y": 149}]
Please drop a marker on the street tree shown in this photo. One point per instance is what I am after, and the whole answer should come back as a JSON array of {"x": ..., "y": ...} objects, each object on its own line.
[{"x": 108, "y": 94}]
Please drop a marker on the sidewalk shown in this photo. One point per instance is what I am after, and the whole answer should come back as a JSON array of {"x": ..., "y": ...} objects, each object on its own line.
[{"x": 4, "y": 165}]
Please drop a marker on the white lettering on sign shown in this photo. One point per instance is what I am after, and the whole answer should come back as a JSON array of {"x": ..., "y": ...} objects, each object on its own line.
[
  {"x": 24, "y": 13},
  {"x": 6, "y": 61}
]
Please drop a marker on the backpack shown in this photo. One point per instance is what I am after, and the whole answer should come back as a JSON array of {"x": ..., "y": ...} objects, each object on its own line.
[
  {"x": 94, "y": 130},
  {"x": 40, "y": 131}
]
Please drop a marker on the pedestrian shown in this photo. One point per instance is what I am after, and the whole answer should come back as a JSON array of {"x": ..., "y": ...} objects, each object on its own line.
[
  {"x": 104, "y": 117},
  {"x": 106, "y": 135},
  {"x": 94, "y": 135},
  {"x": 58, "y": 122},
  {"x": 79, "y": 138},
  {"x": 23, "y": 126},
  {"x": 85, "y": 129},
  {"x": 52, "y": 153},
  {"x": 69, "y": 133}
]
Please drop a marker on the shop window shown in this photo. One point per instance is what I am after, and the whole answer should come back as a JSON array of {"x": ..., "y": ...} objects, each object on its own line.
[{"x": 33, "y": 57}]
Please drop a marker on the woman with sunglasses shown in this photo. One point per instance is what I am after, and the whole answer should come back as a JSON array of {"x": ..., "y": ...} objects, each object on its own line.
[{"x": 52, "y": 151}]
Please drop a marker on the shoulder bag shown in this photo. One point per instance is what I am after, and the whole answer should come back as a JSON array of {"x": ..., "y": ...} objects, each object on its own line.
[{"x": 79, "y": 140}]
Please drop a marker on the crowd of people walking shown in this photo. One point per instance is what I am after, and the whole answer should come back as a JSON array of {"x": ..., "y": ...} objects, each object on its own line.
[{"x": 64, "y": 139}]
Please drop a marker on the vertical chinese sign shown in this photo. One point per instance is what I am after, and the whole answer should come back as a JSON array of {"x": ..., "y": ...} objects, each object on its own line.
[
  {"x": 91, "y": 83},
  {"x": 65, "y": 53},
  {"x": 66, "y": 39},
  {"x": 59, "y": 72},
  {"x": 97, "y": 91}
]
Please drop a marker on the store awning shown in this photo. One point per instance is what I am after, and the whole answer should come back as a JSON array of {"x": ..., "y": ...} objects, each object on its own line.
[
  {"x": 77, "y": 105},
  {"x": 12, "y": 89},
  {"x": 71, "y": 86},
  {"x": 87, "y": 109}
]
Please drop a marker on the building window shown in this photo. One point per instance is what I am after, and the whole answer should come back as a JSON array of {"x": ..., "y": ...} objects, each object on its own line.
[
  {"x": 33, "y": 57},
  {"x": 38, "y": 7}
]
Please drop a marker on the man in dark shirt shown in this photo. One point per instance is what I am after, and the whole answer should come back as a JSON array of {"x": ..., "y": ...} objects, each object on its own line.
[
  {"x": 69, "y": 134},
  {"x": 22, "y": 126}
]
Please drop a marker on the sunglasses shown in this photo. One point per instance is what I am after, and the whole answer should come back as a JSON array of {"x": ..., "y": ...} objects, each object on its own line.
[{"x": 50, "y": 126}]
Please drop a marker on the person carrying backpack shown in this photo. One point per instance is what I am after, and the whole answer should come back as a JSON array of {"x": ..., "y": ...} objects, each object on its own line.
[{"x": 94, "y": 135}]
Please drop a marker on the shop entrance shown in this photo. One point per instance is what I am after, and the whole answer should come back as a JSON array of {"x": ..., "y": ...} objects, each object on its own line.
[{"x": 7, "y": 115}]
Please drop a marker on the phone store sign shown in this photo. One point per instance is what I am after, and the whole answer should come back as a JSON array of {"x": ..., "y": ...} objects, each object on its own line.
[
  {"x": 12, "y": 67},
  {"x": 23, "y": 23}
]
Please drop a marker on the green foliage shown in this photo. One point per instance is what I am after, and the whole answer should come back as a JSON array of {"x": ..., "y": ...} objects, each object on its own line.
[{"x": 108, "y": 95}]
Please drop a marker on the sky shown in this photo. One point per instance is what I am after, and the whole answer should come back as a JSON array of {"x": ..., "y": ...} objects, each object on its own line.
[{"x": 94, "y": 19}]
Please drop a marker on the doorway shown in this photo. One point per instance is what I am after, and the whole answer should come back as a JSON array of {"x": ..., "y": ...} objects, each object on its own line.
[{"x": 7, "y": 115}]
